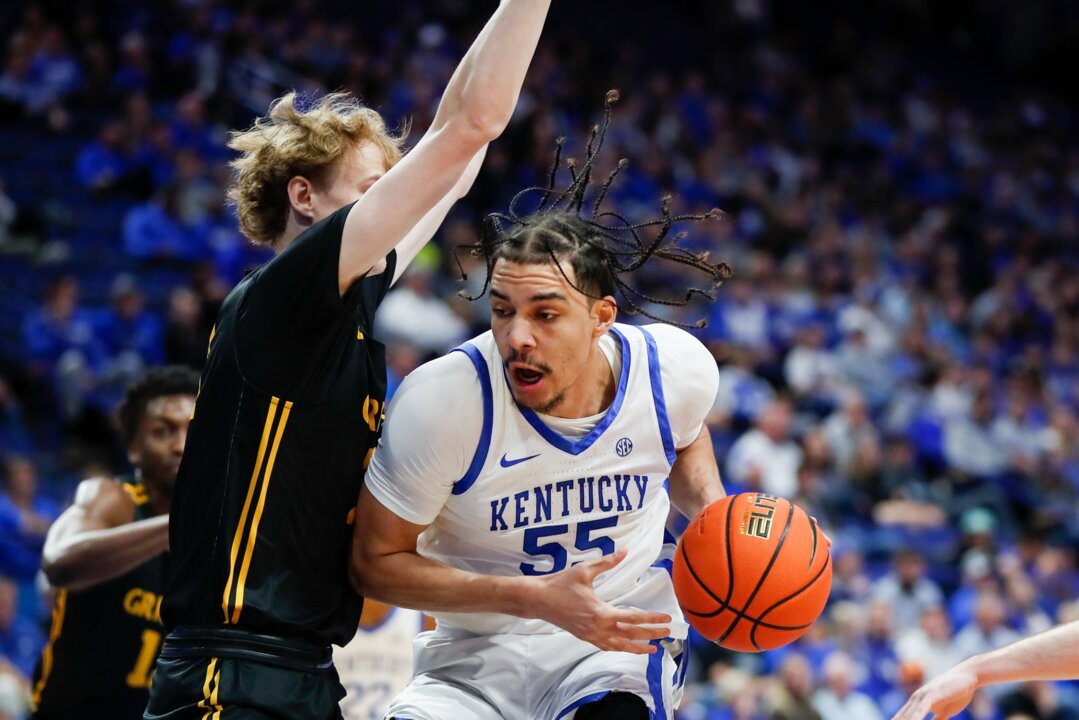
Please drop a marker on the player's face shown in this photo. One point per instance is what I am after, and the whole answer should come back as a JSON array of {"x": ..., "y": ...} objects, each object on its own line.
[
  {"x": 354, "y": 175},
  {"x": 546, "y": 333},
  {"x": 159, "y": 441}
]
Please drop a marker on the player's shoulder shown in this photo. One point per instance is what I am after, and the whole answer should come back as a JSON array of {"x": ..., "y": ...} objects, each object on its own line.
[
  {"x": 445, "y": 383},
  {"x": 671, "y": 335},
  {"x": 683, "y": 358},
  {"x": 106, "y": 498},
  {"x": 675, "y": 344}
]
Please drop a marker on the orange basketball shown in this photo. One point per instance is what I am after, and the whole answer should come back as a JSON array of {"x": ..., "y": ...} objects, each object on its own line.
[{"x": 752, "y": 572}]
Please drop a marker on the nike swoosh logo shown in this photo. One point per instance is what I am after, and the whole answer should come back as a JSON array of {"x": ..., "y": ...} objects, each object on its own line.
[{"x": 510, "y": 463}]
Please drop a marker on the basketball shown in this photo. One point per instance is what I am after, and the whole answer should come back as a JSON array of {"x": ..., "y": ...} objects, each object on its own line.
[{"x": 752, "y": 572}]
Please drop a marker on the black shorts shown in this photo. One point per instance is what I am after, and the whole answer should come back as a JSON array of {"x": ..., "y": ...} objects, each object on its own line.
[{"x": 231, "y": 675}]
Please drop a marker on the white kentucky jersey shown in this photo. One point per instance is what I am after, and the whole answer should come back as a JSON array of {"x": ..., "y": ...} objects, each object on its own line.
[
  {"x": 377, "y": 664},
  {"x": 505, "y": 493}
]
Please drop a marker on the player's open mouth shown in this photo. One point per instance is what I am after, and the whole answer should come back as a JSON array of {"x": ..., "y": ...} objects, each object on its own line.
[{"x": 524, "y": 376}]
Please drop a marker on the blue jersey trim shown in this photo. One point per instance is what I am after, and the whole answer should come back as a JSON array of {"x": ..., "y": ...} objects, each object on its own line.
[
  {"x": 578, "y": 446},
  {"x": 681, "y": 666},
  {"x": 655, "y": 680},
  {"x": 657, "y": 396},
  {"x": 594, "y": 697},
  {"x": 484, "y": 445}
]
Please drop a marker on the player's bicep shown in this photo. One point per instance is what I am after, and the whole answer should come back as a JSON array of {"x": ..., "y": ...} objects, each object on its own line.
[
  {"x": 380, "y": 531},
  {"x": 99, "y": 505},
  {"x": 401, "y": 198},
  {"x": 425, "y": 229}
]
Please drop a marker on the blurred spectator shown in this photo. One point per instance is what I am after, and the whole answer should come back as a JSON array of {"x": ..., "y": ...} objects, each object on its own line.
[
  {"x": 131, "y": 334},
  {"x": 413, "y": 313},
  {"x": 968, "y": 442},
  {"x": 106, "y": 166},
  {"x": 742, "y": 395},
  {"x": 25, "y": 517},
  {"x": 61, "y": 345},
  {"x": 20, "y": 640},
  {"x": 764, "y": 458},
  {"x": 812, "y": 370},
  {"x": 793, "y": 698},
  {"x": 907, "y": 590},
  {"x": 848, "y": 427},
  {"x": 155, "y": 231},
  {"x": 185, "y": 340},
  {"x": 14, "y": 692},
  {"x": 987, "y": 631},
  {"x": 838, "y": 700},
  {"x": 14, "y": 436},
  {"x": 930, "y": 644}
]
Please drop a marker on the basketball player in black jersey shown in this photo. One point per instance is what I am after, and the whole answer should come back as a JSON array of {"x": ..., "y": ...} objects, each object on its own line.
[
  {"x": 106, "y": 557},
  {"x": 291, "y": 398}
]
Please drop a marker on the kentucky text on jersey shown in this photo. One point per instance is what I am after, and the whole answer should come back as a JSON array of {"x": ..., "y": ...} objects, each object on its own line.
[{"x": 582, "y": 496}]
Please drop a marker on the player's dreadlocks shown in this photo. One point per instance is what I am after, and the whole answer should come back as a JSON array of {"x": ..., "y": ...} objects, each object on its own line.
[{"x": 598, "y": 250}]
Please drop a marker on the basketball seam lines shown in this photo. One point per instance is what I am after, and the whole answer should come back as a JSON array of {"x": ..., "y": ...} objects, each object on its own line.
[
  {"x": 764, "y": 575},
  {"x": 796, "y": 593}
]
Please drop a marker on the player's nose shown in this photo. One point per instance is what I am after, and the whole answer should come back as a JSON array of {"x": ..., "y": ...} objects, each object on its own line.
[{"x": 520, "y": 335}]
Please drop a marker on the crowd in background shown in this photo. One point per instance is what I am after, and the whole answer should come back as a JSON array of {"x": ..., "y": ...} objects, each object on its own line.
[{"x": 898, "y": 345}]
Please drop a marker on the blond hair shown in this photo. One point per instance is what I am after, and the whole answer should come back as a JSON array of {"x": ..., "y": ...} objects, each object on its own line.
[{"x": 291, "y": 141}]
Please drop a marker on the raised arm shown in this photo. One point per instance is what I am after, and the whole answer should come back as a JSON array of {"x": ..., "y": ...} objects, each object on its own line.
[
  {"x": 475, "y": 109},
  {"x": 1051, "y": 655},
  {"x": 94, "y": 540},
  {"x": 424, "y": 230}
]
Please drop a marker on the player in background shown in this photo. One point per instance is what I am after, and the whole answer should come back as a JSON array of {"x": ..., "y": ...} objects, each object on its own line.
[
  {"x": 106, "y": 555},
  {"x": 1051, "y": 655},
  {"x": 291, "y": 397},
  {"x": 519, "y": 493},
  {"x": 377, "y": 664}
]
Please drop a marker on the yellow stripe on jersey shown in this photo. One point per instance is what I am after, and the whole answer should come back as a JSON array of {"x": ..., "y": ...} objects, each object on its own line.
[
  {"x": 253, "y": 534},
  {"x": 137, "y": 493},
  {"x": 58, "y": 611},
  {"x": 238, "y": 537}
]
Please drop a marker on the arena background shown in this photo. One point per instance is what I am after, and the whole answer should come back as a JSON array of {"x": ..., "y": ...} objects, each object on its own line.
[{"x": 898, "y": 347}]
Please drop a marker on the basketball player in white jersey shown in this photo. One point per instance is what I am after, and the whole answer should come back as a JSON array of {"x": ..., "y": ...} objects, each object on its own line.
[
  {"x": 376, "y": 665},
  {"x": 520, "y": 490}
]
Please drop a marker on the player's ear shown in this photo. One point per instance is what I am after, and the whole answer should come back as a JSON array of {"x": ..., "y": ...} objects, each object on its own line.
[
  {"x": 604, "y": 313},
  {"x": 299, "y": 196}
]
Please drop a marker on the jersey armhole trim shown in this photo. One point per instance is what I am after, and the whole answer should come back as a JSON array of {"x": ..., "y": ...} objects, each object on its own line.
[
  {"x": 483, "y": 446},
  {"x": 656, "y": 380}
]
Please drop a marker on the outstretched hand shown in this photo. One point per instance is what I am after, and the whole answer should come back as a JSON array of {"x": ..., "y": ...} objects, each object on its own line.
[
  {"x": 568, "y": 600},
  {"x": 945, "y": 696}
]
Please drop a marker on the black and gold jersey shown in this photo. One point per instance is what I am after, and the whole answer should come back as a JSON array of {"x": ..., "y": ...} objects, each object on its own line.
[
  {"x": 288, "y": 413},
  {"x": 103, "y": 642}
]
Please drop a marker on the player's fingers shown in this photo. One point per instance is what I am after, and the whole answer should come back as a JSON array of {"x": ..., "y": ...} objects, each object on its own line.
[
  {"x": 638, "y": 632},
  {"x": 592, "y": 568},
  {"x": 618, "y": 645},
  {"x": 640, "y": 617}
]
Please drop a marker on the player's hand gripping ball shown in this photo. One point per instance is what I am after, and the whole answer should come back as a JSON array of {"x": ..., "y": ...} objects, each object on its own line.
[{"x": 752, "y": 572}]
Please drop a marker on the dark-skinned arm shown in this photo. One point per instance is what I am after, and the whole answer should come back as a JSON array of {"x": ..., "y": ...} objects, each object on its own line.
[{"x": 95, "y": 541}]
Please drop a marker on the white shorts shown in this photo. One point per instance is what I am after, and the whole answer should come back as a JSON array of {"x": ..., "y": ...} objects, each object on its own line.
[{"x": 461, "y": 676}]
